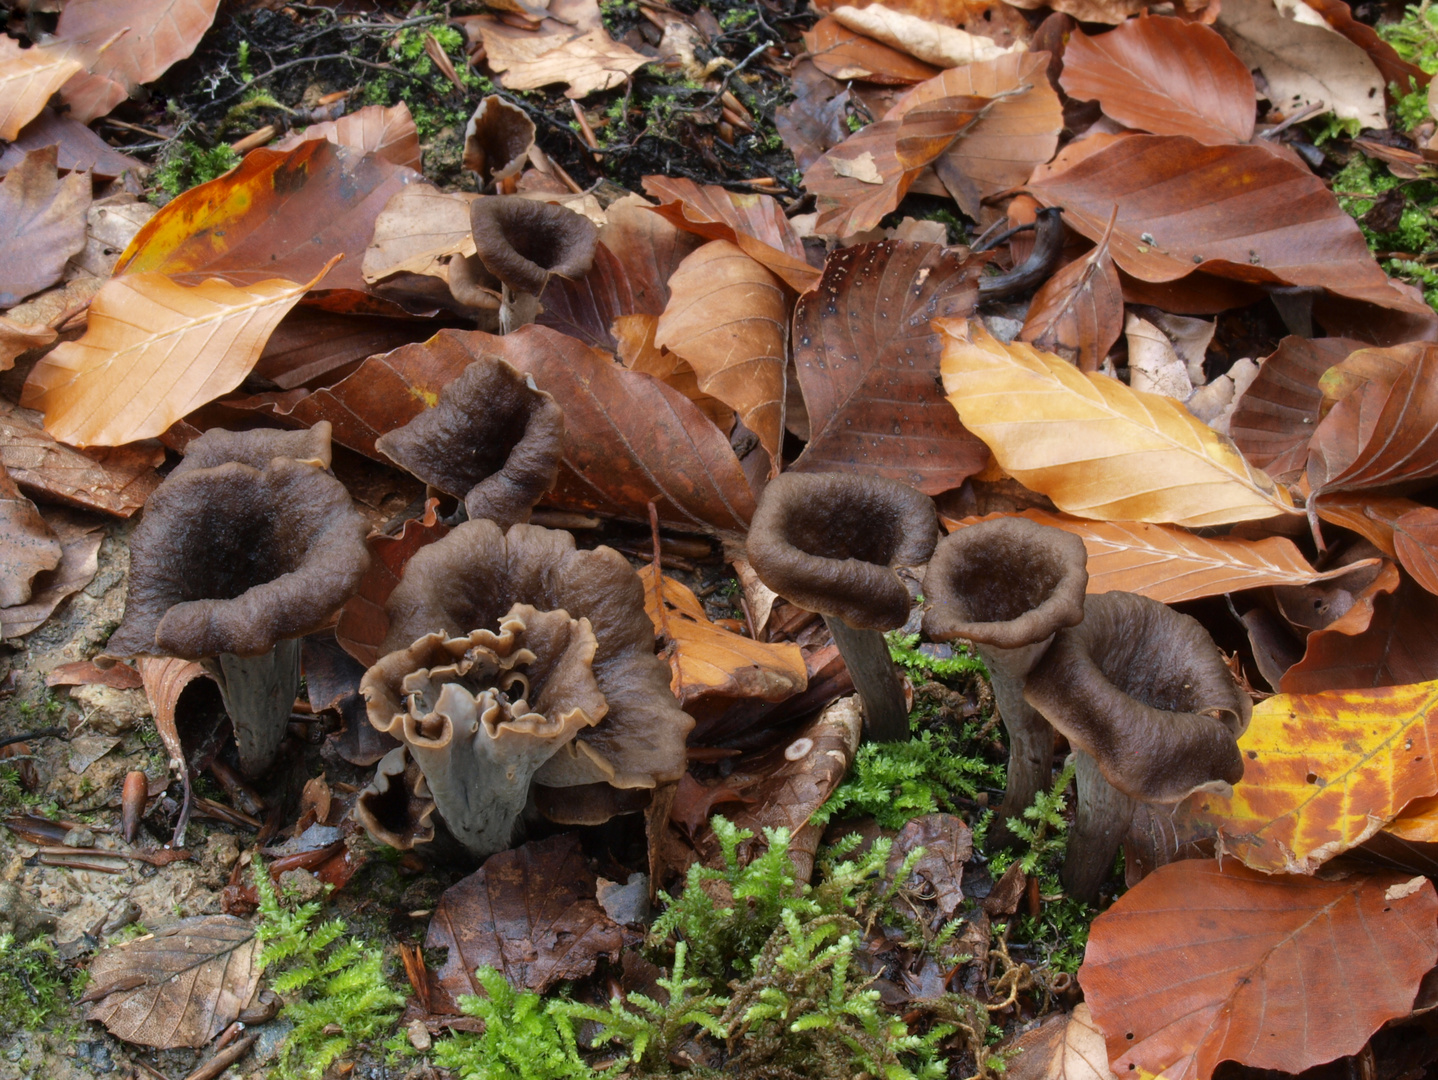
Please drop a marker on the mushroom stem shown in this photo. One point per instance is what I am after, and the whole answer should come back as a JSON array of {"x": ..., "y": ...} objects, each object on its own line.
[
  {"x": 1101, "y": 818},
  {"x": 876, "y": 680},
  {"x": 259, "y": 692},
  {"x": 1031, "y": 739},
  {"x": 516, "y": 309}
]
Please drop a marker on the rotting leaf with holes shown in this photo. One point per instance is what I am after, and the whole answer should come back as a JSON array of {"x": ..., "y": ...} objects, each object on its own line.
[
  {"x": 27, "y": 79},
  {"x": 867, "y": 360},
  {"x": 1235, "y": 212},
  {"x": 709, "y": 661},
  {"x": 1166, "y": 76},
  {"x": 1322, "y": 773},
  {"x": 42, "y": 224},
  {"x": 385, "y": 132},
  {"x": 1092, "y": 445},
  {"x": 1278, "y": 972},
  {"x": 180, "y": 986},
  {"x": 153, "y": 351},
  {"x": 530, "y": 913}
]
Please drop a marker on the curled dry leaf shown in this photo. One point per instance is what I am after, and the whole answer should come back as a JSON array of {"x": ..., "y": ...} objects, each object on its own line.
[
  {"x": 709, "y": 661},
  {"x": 387, "y": 133},
  {"x": 16, "y": 338},
  {"x": 27, "y": 545},
  {"x": 1100, "y": 11},
  {"x": 1415, "y": 540},
  {"x": 42, "y": 224},
  {"x": 1232, "y": 211},
  {"x": 931, "y": 42},
  {"x": 1370, "y": 516},
  {"x": 152, "y": 352},
  {"x": 1170, "y": 564},
  {"x": 634, "y": 336},
  {"x": 1166, "y": 76},
  {"x": 112, "y": 480},
  {"x": 1322, "y": 773},
  {"x": 418, "y": 228},
  {"x": 582, "y": 56},
  {"x": 27, "y": 79},
  {"x": 1078, "y": 313},
  {"x": 867, "y": 359},
  {"x": 530, "y": 913},
  {"x": 80, "y": 537},
  {"x": 729, "y": 318},
  {"x": 1097, "y": 448},
  {"x": 1279, "y": 972},
  {"x": 1065, "y": 1047},
  {"x": 80, "y": 149},
  {"x": 180, "y": 986},
  {"x": 844, "y": 54}
]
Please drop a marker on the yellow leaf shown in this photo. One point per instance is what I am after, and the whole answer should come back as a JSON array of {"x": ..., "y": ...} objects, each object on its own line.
[
  {"x": 1323, "y": 773},
  {"x": 27, "y": 79},
  {"x": 708, "y": 660},
  {"x": 1097, "y": 448},
  {"x": 153, "y": 352}
]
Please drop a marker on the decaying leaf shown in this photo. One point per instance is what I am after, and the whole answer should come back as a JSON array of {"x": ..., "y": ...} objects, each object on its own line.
[
  {"x": 80, "y": 537},
  {"x": 859, "y": 181},
  {"x": 1097, "y": 448},
  {"x": 1324, "y": 772},
  {"x": 938, "y": 873},
  {"x": 1078, "y": 313},
  {"x": 180, "y": 986},
  {"x": 845, "y": 54},
  {"x": 1277, "y": 972},
  {"x": 152, "y": 352},
  {"x": 1065, "y": 1047},
  {"x": 27, "y": 79},
  {"x": 530, "y": 913},
  {"x": 418, "y": 228},
  {"x": 27, "y": 545},
  {"x": 42, "y": 224},
  {"x": 729, "y": 318},
  {"x": 80, "y": 149},
  {"x": 576, "y": 51},
  {"x": 867, "y": 360},
  {"x": 932, "y": 42},
  {"x": 385, "y": 132},
  {"x": 112, "y": 480}
]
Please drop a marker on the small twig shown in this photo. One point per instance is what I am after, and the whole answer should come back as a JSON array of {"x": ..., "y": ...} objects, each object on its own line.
[
  {"x": 43, "y": 733},
  {"x": 224, "y": 1059},
  {"x": 151, "y": 1071}
]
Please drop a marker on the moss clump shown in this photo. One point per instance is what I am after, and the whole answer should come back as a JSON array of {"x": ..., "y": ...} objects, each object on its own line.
[
  {"x": 34, "y": 985},
  {"x": 1406, "y": 250},
  {"x": 187, "y": 164}
]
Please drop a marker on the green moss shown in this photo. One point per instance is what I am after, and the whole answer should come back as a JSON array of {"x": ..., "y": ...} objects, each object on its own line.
[
  {"x": 34, "y": 985},
  {"x": 429, "y": 95},
  {"x": 1415, "y": 36},
  {"x": 1403, "y": 251},
  {"x": 524, "y": 1037},
  {"x": 187, "y": 164}
]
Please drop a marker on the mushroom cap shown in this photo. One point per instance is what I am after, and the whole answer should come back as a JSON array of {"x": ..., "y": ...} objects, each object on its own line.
[
  {"x": 472, "y": 577},
  {"x": 1006, "y": 583},
  {"x": 524, "y": 241},
  {"x": 829, "y": 542},
  {"x": 1144, "y": 690},
  {"x": 396, "y": 807},
  {"x": 492, "y": 440},
  {"x": 258, "y": 447},
  {"x": 497, "y": 140},
  {"x": 232, "y": 559}
]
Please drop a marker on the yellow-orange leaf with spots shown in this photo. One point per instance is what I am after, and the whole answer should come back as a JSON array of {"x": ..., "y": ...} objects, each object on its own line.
[{"x": 1323, "y": 773}]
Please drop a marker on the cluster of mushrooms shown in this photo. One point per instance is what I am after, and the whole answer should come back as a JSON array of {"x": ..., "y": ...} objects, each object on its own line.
[{"x": 518, "y": 677}]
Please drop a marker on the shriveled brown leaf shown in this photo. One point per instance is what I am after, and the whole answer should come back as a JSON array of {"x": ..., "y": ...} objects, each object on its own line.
[
  {"x": 729, "y": 318},
  {"x": 755, "y": 222},
  {"x": 85, "y": 673},
  {"x": 1370, "y": 516},
  {"x": 110, "y": 224},
  {"x": 1279, "y": 972},
  {"x": 112, "y": 480},
  {"x": 1415, "y": 539},
  {"x": 311, "y": 344},
  {"x": 530, "y": 913},
  {"x": 1078, "y": 313},
  {"x": 1166, "y": 76},
  {"x": 709, "y": 661},
  {"x": 418, "y": 228},
  {"x": 634, "y": 336},
  {"x": 180, "y": 986},
  {"x": 1098, "y": 11},
  {"x": 388, "y": 133},
  {"x": 80, "y": 537},
  {"x": 27, "y": 545},
  {"x": 1233, "y": 211},
  {"x": 154, "y": 351},
  {"x": 1097, "y": 448},
  {"x": 42, "y": 224},
  {"x": 1066, "y": 1046},
  {"x": 859, "y": 181},
  {"x": 815, "y": 120},
  {"x": 844, "y": 54},
  {"x": 867, "y": 360},
  {"x": 16, "y": 338},
  {"x": 167, "y": 680},
  {"x": 80, "y": 149},
  {"x": 27, "y": 79},
  {"x": 585, "y": 58},
  {"x": 947, "y": 844},
  {"x": 925, "y": 40}
]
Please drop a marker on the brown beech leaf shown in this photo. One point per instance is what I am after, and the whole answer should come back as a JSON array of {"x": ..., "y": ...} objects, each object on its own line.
[
  {"x": 80, "y": 537},
  {"x": 1170, "y": 564},
  {"x": 80, "y": 149},
  {"x": 1097, "y": 448},
  {"x": 1277, "y": 972},
  {"x": 277, "y": 214},
  {"x": 112, "y": 480},
  {"x": 1100, "y": 11},
  {"x": 27, "y": 79},
  {"x": 363, "y": 621},
  {"x": 815, "y": 120},
  {"x": 16, "y": 338},
  {"x": 311, "y": 344},
  {"x": 1394, "y": 68},
  {"x": 1370, "y": 516},
  {"x": 385, "y": 132},
  {"x": 1166, "y": 76},
  {"x": 27, "y": 545},
  {"x": 1078, "y": 313},
  {"x": 932, "y": 42},
  {"x": 579, "y": 53},
  {"x": 1415, "y": 539},
  {"x": 709, "y": 661},
  {"x": 1322, "y": 773},
  {"x": 859, "y": 181},
  {"x": 154, "y": 351},
  {"x": 1066, "y": 1046},
  {"x": 1381, "y": 434},
  {"x": 867, "y": 361},
  {"x": 1232, "y": 211},
  {"x": 845, "y": 54},
  {"x": 418, "y": 228},
  {"x": 634, "y": 335},
  {"x": 530, "y": 913},
  {"x": 1018, "y": 131},
  {"x": 85, "y": 673},
  {"x": 173, "y": 688},
  {"x": 1280, "y": 410},
  {"x": 42, "y": 224},
  {"x": 755, "y": 222},
  {"x": 729, "y": 318},
  {"x": 180, "y": 986}
]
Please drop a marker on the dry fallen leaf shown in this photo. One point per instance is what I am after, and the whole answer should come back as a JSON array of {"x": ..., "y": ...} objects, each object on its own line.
[
  {"x": 80, "y": 537},
  {"x": 843, "y": 54},
  {"x": 1078, "y": 313},
  {"x": 16, "y": 338},
  {"x": 27, "y": 79},
  {"x": 1065, "y": 1047},
  {"x": 27, "y": 545},
  {"x": 587, "y": 59},
  {"x": 42, "y": 224},
  {"x": 1415, "y": 541},
  {"x": 385, "y": 132},
  {"x": 634, "y": 337},
  {"x": 858, "y": 182},
  {"x": 1097, "y": 448},
  {"x": 1201, "y": 963},
  {"x": 80, "y": 149},
  {"x": 932, "y": 42},
  {"x": 154, "y": 351},
  {"x": 418, "y": 228}
]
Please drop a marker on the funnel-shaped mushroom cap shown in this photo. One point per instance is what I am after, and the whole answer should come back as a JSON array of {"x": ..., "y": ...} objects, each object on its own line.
[
  {"x": 497, "y": 140},
  {"x": 472, "y": 577},
  {"x": 1143, "y": 689},
  {"x": 524, "y": 241},
  {"x": 232, "y": 559},
  {"x": 257, "y": 448},
  {"x": 493, "y": 440},
  {"x": 396, "y": 807},
  {"x": 1009, "y": 582},
  {"x": 829, "y": 542}
]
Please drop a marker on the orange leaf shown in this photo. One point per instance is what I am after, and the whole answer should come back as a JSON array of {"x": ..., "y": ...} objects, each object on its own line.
[
  {"x": 154, "y": 351},
  {"x": 385, "y": 132},
  {"x": 844, "y": 54},
  {"x": 1370, "y": 516},
  {"x": 1418, "y": 822},
  {"x": 634, "y": 335},
  {"x": 1415, "y": 537},
  {"x": 859, "y": 181},
  {"x": 27, "y": 79},
  {"x": 1078, "y": 313},
  {"x": 1202, "y": 962}
]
